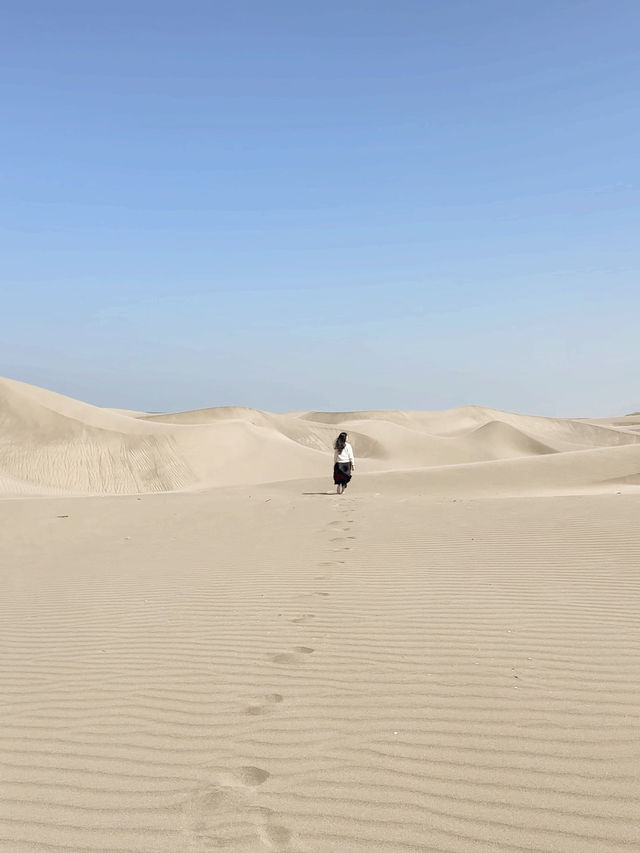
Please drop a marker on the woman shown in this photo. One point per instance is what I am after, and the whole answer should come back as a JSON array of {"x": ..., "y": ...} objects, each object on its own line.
[{"x": 343, "y": 463}]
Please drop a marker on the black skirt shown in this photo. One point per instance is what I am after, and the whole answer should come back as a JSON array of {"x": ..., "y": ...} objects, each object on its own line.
[{"x": 341, "y": 473}]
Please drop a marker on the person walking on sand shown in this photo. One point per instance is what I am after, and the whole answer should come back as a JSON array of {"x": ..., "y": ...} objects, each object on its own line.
[{"x": 343, "y": 463}]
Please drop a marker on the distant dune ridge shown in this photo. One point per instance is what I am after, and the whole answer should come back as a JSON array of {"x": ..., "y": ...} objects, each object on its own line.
[{"x": 51, "y": 444}]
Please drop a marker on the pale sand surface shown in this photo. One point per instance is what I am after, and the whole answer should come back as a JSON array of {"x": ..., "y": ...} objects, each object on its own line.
[{"x": 446, "y": 658}]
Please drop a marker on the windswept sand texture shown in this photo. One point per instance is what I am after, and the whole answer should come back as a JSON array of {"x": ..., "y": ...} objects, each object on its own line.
[{"x": 203, "y": 649}]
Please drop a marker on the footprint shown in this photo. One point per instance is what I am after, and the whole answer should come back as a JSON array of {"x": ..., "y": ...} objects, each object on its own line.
[
  {"x": 287, "y": 658},
  {"x": 216, "y": 815},
  {"x": 227, "y": 794},
  {"x": 253, "y": 776},
  {"x": 300, "y": 620},
  {"x": 291, "y": 658},
  {"x": 267, "y": 706},
  {"x": 338, "y": 539},
  {"x": 275, "y": 836},
  {"x": 305, "y": 596},
  {"x": 328, "y": 563},
  {"x": 207, "y": 801},
  {"x": 244, "y": 777}
]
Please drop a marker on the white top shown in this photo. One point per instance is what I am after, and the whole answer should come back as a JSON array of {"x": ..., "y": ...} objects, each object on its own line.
[{"x": 345, "y": 455}]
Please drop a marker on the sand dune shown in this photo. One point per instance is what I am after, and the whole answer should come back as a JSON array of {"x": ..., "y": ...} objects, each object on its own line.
[
  {"x": 53, "y": 444},
  {"x": 202, "y": 648},
  {"x": 50, "y": 442},
  {"x": 628, "y": 423},
  {"x": 207, "y": 416}
]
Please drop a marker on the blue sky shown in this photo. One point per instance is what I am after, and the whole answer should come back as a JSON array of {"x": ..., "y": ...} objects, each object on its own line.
[{"x": 330, "y": 205}]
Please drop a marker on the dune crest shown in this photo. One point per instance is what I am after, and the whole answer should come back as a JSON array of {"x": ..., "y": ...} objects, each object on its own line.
[{"x": 52, "y": 444}]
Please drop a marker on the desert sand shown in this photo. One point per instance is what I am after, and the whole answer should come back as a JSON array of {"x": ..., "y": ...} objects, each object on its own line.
[{"x": 204, "y": 648}]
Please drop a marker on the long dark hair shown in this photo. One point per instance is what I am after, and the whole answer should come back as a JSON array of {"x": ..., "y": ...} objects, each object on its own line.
[{"x": 341, "y": 440}]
